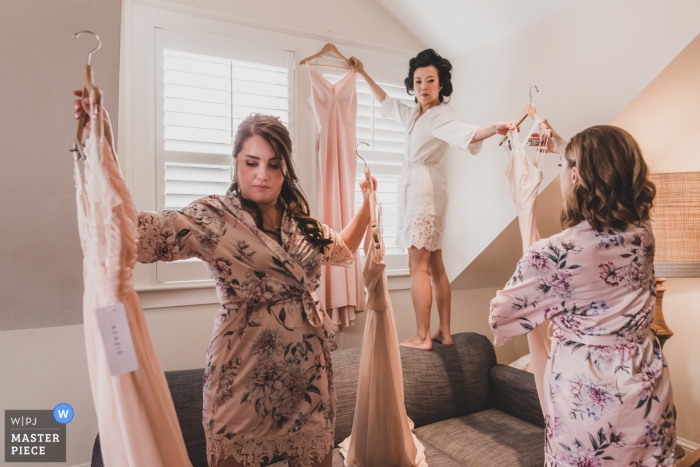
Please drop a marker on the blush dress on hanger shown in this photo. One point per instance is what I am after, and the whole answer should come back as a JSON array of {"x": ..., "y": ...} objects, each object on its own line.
[
  {"x": 135, "y": 412},
  {"x": 423, "y": 202},
  {"x": 335, "y": 109},
  {"x": 525, "y": 177}
]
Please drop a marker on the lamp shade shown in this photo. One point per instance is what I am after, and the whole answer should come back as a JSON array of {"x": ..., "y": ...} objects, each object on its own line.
[{"x": 676, "y": 224}]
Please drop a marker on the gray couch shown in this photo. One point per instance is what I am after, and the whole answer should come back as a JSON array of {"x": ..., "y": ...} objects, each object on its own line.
[{"x": 467, "y": 409}]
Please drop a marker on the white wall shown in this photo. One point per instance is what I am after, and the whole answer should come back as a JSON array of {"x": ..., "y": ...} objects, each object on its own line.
[{"x": 589, "y": 61}]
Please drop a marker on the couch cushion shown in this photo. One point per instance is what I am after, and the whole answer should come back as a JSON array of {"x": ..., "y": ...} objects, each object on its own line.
[
  {"x": 449, "y": 381},
  {"x": 514, "y": 392},
  {"x": 346, "y": 372},
  {"x": 186, "y": 389},
  {"x": 490, "y": 439}
]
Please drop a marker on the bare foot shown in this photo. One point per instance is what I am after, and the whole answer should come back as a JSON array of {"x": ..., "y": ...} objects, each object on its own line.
[
  {"x": 417, "y": 342},
  {"x": 444, "y": 339}
]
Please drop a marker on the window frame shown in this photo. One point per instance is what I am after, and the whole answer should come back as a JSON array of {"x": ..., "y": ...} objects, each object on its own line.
[{"x": 138, "y": 107}]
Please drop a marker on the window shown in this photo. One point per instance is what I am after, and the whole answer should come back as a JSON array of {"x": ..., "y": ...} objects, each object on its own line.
[
  {"x": 384, "y": 155},
  {"x": 188, "y": 81},
  {"x": 205, "y": 98},
  {"x": 204, "y": 89}
]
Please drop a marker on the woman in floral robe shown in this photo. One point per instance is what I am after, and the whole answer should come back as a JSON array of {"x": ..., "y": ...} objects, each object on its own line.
[
  {"x": 268, "y": 383},
  {"x": 608, "y": 399}
]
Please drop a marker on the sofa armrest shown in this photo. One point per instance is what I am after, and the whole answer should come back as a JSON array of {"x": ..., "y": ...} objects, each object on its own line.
[{"x": 514, "y": 392}]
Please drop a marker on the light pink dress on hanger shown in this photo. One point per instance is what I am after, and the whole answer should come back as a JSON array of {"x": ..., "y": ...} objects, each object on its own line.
[
  {"x": 381, "y": 430},
  {"x": 525, "y": 178},
  {"x": 135, "y": 413},
  {"x": 335, "y": 108}
]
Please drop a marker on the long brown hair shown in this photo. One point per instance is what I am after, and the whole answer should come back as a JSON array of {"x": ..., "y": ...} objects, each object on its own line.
[
  {"x": 613, "y": 188},
  {"x": 276, "y": 134}
]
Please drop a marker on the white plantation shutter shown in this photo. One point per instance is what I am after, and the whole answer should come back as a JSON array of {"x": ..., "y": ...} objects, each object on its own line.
[
  {"x": 204, "y": 88},
  {"x": 205, "y": 99},
  {"x": 384, "y": 155}
]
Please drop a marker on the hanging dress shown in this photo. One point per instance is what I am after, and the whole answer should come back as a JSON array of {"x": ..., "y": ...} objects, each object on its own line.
[
  {"x": 268, "y": 380},
  {"x": 525, "y": 178},
  {"x": 423, "y": 201},
  {"x": 135, "y": 413},
  {"x": 381, "y": 430},
  {"x": 335, "y": 109}
]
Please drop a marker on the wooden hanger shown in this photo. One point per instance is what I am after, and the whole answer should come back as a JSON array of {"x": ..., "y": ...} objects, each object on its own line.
[
  {"x": 326, "y": 49},
  {"x": 90, "y": 89},
  {"x": 372, "y": 204},
  {"x": 529, "y": 111}
]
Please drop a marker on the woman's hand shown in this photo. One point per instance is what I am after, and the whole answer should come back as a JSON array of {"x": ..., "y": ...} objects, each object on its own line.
[
  {"x": 365, "y": 188},
  {"x": 555, "y": 143},
  {"x": 356, "y": 65},
  {"x": 82, "y": 107},
  {"x": 502, "y": 128}
]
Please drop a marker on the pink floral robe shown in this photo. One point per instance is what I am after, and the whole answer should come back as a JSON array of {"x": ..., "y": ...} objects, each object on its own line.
[
  {"x": 608, "y": 399},
  {"x": 268, "y": 386}
]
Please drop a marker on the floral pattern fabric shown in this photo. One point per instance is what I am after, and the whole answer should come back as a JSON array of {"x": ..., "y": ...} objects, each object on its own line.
[
  {"x": 608, "y": 398},
  {"x": 268, "y": 382}
]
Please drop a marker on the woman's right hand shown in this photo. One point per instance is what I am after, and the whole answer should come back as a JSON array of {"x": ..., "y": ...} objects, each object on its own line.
[
  {"x": 356, "y": 65},
  {"x": 555, "y": 143},
  {"x": 82, "y": 107}
]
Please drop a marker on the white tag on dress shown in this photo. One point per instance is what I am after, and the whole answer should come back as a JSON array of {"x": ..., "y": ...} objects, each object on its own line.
[{"x": 116, "y": 336}]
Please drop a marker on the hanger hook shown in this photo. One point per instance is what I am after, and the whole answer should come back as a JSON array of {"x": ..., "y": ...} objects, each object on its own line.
[
  {"x": 99, "y": 42},
  {"x": 530, "y": 92},
  {"x": 358, "y": 153}
]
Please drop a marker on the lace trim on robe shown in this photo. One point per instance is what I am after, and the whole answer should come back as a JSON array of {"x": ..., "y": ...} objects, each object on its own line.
[
  {"x": 303, "y": 448},
  {"x": 421, "y": 233}
]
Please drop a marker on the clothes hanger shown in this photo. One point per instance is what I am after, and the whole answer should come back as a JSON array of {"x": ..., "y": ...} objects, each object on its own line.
[
  {"x": 88, "y": 88},
  {"x": 326, "y": 49},
  {"x": 372, "y": 201},
  {"x": 529, "y": 111}
]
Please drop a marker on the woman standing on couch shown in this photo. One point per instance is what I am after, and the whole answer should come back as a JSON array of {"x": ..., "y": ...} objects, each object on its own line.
[
  {"x": 432, "y": 127},
  {"x": 608, "y": 398},
  {"x": 268, "y": 382}
]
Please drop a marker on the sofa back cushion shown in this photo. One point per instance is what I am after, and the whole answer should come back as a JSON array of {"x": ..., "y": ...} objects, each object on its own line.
[
  {"x": 449, "y": 381},
  {"x": 186, "y": 388}
]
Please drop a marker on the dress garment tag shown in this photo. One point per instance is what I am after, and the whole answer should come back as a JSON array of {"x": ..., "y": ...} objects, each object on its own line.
[{"x": 116, "y": 336}]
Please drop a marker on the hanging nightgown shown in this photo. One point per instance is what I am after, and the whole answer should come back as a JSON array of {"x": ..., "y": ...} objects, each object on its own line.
[
  {"x": 607, "y": 388},
  {"x": 525, "y": 178},
  {"x": 268, "y": 380},
  {"x": 135, "y": 413},
  {"x": 335, "y": 109},
  {"x": 423, "y": 201},
  {"x": 381, "y": 430}
]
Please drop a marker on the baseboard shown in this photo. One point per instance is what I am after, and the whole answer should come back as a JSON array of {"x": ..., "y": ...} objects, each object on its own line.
[{"x": 689, "y": 446}]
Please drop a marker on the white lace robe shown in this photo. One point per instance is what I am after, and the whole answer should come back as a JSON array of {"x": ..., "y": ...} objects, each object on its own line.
[{"x": 423, "y": 202}]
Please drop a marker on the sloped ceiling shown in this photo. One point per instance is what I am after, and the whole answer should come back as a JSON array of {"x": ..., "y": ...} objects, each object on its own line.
[{"x": 456, "y": 27}]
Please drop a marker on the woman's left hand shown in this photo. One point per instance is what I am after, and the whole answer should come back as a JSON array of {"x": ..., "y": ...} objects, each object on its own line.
[
  {"x": 365, "y": 187},
  {"x": 503, "y": 128}
]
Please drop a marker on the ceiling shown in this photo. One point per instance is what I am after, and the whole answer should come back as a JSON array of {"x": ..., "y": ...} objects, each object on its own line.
[{"x": 456, "y": 27}]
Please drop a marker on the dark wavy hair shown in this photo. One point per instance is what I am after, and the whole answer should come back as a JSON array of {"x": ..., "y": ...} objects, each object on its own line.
[
  {"x": 276, "y": 134},
  {"x": 613, "y": 188},
  {"x": 426, "y": 58}
]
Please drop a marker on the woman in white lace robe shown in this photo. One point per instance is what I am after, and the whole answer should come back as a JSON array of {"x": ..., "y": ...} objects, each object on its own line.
[{"x": 432, "y": 127}]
